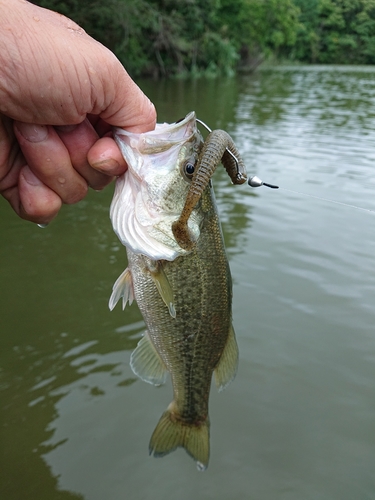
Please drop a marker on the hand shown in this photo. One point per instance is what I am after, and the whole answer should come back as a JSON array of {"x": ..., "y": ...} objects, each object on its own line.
[{"x": 60, "y": 93}]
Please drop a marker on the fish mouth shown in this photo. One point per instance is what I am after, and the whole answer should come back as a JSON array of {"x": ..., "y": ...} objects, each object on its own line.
[
  {"x": 162, "y": 138},
  {"x": 141, "y": 214}
]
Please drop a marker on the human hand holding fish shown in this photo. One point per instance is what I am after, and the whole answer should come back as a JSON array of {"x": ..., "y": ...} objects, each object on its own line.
[
  {"x": 60, "y": 93},
  {"x": 164, "y": 212}
]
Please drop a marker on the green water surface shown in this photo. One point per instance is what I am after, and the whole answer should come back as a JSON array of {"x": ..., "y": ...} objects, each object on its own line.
[{"x": 298, "y": 423}]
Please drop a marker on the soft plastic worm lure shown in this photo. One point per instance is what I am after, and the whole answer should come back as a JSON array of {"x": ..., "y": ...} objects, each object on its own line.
[{"x": 218, "y": 147}]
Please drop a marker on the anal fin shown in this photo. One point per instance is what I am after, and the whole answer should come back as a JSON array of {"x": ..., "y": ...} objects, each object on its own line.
[
  {"x": 146, "y": 362},
  {"x": 226, "y": 369}
]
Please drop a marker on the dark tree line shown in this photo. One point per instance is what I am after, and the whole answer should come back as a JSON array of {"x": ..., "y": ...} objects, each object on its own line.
[{"x": 194, "y": 37}]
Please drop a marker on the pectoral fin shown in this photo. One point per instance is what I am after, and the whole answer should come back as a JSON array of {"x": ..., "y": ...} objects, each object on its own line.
[
  {"x": 146, "y": 362},
  {"x": 227, "y": 368},
  {"x": 123, "y": 287},
  {"x": 164, "y": 288}
]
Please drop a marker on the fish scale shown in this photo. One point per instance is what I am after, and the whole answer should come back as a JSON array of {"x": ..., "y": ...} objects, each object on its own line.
[{"x": 186, "y": 299}]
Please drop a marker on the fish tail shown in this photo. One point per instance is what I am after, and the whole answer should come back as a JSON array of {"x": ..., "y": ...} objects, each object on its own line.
[{"x": 171, "y": 433}]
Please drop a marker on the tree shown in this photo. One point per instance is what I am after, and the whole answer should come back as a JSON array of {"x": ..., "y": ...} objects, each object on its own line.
[
  {"x": 336, "y": 31},
  {"x": 156, "y": 37},
  {"x": 261, "y": 27}
]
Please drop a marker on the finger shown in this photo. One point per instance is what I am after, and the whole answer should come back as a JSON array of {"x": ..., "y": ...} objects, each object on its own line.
[
  {"x": 32, "y": 200},
  {"x": 106, "y": 157},
  {"x": 78, "y": 139},
  {"x": 49, "y": 160},
  {"x": 11, "y": 158},
  {"x": 101, "y": 127},
  {"x": 127, "y": 105}
]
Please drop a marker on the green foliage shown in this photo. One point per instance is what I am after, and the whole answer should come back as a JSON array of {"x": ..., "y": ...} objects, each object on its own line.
[
  {"x": 212, "y": 37},
  {"x": 336, "y": 31},
  {"x": 156, "y": 37},
  {"x": 260, "y": 27}
]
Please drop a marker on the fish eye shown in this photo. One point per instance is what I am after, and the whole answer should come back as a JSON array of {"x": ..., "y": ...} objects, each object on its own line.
[{"x": 189, "y": 169}]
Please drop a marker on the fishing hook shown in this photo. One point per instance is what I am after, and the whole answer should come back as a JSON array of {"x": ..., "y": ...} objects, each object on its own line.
[
  {"x": 253, "y": 181},
  {"x": 226, "y": 149}
]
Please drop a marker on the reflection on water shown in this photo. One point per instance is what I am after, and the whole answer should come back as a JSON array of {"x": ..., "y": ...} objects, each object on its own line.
[{"x": 298, "y": 422}]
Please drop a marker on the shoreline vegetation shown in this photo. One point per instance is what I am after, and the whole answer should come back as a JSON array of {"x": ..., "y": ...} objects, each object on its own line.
[{"x": 192, "y": 38}]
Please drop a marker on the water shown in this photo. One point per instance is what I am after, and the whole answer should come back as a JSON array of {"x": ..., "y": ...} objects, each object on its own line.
[{"x": 298, "y": 422}]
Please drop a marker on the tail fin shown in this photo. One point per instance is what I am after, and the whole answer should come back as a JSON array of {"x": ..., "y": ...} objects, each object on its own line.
[{"x": 171, "y": 433}]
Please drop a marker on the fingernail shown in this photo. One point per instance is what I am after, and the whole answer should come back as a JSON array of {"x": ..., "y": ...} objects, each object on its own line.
[
  {"x": 106, "y": 166},
  {"x": 32, "y": 132},
  {"x": 29, "y": 177}
]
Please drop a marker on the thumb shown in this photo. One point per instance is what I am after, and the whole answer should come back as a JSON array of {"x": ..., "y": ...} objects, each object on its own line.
[{"x": 128, "y": 106}]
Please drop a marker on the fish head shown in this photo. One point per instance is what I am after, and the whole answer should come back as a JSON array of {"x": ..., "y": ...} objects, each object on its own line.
[{"x": 151, "y": 194}]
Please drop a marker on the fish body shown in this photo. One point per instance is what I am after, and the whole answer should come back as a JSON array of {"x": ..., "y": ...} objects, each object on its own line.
[{"x": 185, "y": 296}]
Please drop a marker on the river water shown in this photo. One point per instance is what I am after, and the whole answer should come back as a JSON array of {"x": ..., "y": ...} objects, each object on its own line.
[{"x": 299, "y": 420}]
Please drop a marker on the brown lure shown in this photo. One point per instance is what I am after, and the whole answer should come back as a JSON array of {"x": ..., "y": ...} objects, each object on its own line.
[{"x": 217, "y": 148}]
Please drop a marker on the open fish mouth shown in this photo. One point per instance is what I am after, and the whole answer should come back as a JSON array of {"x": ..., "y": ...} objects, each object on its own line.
[
  {"x": 150, "y": 195},
  {"x": 161, "y": 139}
]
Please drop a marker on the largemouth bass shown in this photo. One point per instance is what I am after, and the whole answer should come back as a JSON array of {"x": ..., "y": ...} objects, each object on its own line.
[{"x": 164, "y": 212}]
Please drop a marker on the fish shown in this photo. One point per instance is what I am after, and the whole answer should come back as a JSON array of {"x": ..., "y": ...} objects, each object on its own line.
[{"x": 164, "y": 212}]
